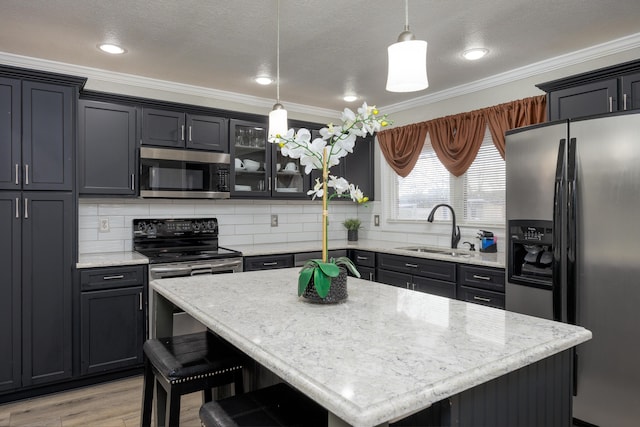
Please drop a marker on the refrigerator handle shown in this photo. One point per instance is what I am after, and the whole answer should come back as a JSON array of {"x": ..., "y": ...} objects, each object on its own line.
[
  {"x": 557, "y": 232},
  {"x": 572, "y": 233}
]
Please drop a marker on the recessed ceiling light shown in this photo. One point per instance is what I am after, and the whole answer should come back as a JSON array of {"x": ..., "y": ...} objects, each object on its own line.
[
  {"x": 473, "y": 54},
  {"x": 111, "y": 48},
  {"x": 350, "y": 98},
  {"x": 264, "y": 80}
]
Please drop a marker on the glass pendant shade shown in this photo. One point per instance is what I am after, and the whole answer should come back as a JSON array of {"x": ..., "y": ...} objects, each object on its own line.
[
  {"x": 277, "y": 121},
  {"x": 407, "y": 70}
]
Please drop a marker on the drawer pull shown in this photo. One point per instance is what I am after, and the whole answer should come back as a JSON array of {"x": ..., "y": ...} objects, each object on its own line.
[
  {"x": 483, "y": 299},
  {"x": 140, "y": 300},
  {"x": 269, "y": 264},
  {"x": 475, "y": 276},
  {"x": 114, "y": 277},
  {"x": 411, "y": 265},
  {"x": 371, "y": 276},
  {"x": 362, "y": 258}
]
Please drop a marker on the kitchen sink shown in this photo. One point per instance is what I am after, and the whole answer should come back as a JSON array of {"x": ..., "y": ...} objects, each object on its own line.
[{"x": 430, "y": 250}]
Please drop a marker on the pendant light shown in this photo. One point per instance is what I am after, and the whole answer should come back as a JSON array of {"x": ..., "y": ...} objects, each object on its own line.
[
  {"x": 407, "y": 70},
  {"x": 278, "y": 115}
]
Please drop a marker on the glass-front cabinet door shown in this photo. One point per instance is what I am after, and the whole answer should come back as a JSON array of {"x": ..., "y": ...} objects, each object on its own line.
[
  {"x": 258, "y": 167},
  {"x": 251, "y": 160}
]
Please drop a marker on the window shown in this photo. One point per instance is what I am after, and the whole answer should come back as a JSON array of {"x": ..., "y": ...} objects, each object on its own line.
[{"x": 478, "y": 196}]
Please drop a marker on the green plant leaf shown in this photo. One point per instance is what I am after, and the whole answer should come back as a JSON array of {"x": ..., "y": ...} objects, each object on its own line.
[
  {"x": 304, "y": 278},
  {"x": 329, "y": 268},
  {"x": 322, "y": 282}
]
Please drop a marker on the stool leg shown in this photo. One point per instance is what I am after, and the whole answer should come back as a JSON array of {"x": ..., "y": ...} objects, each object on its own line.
[
  {"x": 161, "y": 404},
  {"x": 173, "y": 408},
  {"x": 207, "y": 395},
  {"x": 238, "y": 385},
  {"x": 147, "y": 395}
]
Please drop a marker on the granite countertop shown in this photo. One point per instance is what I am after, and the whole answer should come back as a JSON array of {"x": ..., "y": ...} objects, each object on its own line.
[
  {"x": 111, "y": 259},
  {"x": 384, "y": 353},
  {"x": 462, "y": 256}
]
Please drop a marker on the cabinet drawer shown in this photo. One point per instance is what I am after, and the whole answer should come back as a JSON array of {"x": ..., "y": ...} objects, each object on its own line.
[
  {"x": 434, "y": 287},
  {"x": 112, "y": 277},
  {"x": 366, "y": 273},
  {"x": 480, "y": 296},
  {"x": 433, "y": 269},
  {"x": 301, "y": 258},
  {"x": 269, "y": 262},
  {"x": 364, "y": 258},
  {"x": 488, "y": 278}
]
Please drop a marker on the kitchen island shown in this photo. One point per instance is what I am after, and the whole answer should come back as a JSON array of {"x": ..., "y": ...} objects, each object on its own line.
[{"x": 385, "y": 353}]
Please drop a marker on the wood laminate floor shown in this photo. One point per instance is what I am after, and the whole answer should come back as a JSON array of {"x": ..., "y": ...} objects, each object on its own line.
[{"x": 115, "y": 403}]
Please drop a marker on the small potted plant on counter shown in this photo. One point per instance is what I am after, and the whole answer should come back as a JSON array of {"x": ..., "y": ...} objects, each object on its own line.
[{"x": 352, "y": 225}]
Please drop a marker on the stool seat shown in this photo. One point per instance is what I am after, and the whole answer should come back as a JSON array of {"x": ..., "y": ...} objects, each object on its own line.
[
  {"x": 184, "y": 364},
  {"x": 277, "y": 405}
]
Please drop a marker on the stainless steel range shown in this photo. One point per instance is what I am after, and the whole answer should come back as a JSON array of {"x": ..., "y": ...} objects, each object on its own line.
[{"x": 183, "y": 247}]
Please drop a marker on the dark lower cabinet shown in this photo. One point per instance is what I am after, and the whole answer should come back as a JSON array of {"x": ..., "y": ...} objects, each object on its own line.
[
  {"x": 481, "y": 285},
  {"x": 38, "y": 234},
  {"x": 365, "y": 262},
  {"x": 268, "y": 262},
  {"x": 418, "y": 274},
  {"x": 112, "y": 318}
]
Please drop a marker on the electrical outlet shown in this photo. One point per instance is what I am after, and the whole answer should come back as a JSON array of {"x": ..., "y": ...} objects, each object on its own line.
[
  {"x": 274, "y": 220},
  {"x": 104, "y": 225},
  {"x": 376, "y": 220}
]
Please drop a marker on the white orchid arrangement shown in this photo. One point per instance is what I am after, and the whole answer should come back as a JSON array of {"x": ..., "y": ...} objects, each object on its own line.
[{"x": 335, "y": 142}]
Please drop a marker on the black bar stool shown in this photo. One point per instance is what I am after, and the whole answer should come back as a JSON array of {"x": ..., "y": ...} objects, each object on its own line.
[
  {"x": 277, "y": 405},
  {"x": 185, "y": 364}
]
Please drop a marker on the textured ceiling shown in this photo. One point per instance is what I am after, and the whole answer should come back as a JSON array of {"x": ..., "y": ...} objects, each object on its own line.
[{"x": 328, "y": 47}]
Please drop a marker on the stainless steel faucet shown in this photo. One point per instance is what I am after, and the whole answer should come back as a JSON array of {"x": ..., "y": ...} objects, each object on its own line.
[{"x": 455, "y": 230}]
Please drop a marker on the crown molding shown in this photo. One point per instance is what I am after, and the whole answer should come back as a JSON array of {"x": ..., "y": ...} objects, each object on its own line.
[
  {"x": 155, "y": 84},
  {"x": 594, "y": 52}
]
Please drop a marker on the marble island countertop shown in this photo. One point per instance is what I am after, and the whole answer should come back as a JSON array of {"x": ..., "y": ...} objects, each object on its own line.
[
  {"x": 461, "y": 256},
  {"x": 384, "y": 353}
]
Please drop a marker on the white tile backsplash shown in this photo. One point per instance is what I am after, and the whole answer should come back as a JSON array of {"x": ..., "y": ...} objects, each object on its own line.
[{"x": 244, "y": 222}]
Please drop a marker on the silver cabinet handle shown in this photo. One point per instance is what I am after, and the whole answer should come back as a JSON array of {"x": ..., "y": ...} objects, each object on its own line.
[
  {"x": 26, "y": 208},
  {"x": 610, "y": 104},
  {"x": 408, "y": 284},
  {"x": 114, "y": 277},
  {"x": 483, "y": 299},
  {"x": 624, "y": 101},
  {"x": 411, "y": 265},
  {"x": 133, "y": 182},
  {"x": 274, "y": 180},
  {"x": 17, "y": 207},
  {"x": 189, "y": 133},
  {"x": 475, "y": 276},
  {"x": 26, "y": 174},
  {"x": 182, "y": 133},
  {"x": 269, "y": 264},
  {"x": 17, "y": 174},
  {"x": 140, "y": 300},
  {"x": 371, "y": 276},
  {"x": 359, "y": 257}
]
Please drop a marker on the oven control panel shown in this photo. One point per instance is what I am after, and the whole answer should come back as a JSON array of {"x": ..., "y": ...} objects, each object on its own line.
[{"x": 151, "y": 228}]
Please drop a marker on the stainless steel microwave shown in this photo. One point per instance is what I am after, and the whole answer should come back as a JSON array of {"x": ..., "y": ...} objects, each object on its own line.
[{"x": 187, "y": 174}]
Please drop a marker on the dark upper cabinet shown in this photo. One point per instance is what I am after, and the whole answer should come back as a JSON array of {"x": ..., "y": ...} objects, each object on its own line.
[
  {"x": 10, "y": 134},
  {"x": 48, "y": 237},
  {"x": 10, "y": 290},
  {"x": 47, "y": 136},
  {"x": 107, "y": 148},
  {"x": 36, "y": 135},
  {"x": 631, "y": 91},
  {"x": 605, "y": 90},
  {"x": 586, "y": 100},
  {"x": 174, "y": 129}
]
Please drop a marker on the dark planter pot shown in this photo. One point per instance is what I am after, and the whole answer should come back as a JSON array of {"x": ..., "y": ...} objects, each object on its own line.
[
  {"x": 352, "y": 235},
  {"x": 337, "y": 291}
]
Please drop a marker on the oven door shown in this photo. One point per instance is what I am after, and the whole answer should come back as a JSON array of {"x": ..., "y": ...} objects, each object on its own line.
[{"x": 182, "y": 322}]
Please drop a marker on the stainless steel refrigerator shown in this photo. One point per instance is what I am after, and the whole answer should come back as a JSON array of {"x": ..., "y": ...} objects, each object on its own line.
[{"x": 573, "y": 250}]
